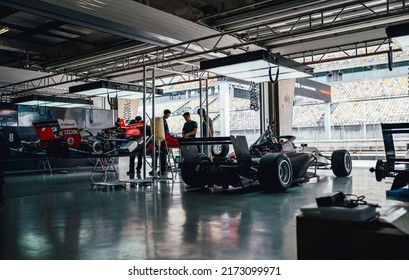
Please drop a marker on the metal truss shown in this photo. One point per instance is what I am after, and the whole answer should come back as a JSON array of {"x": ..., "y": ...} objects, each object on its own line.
[
  {"x": 320, "y": 19},
  {"x": 162, "y": 57},
  {"x": 361, "y": 49},
  {"x": 45, "y": 82},
  {"x": 265, "y": 34}
]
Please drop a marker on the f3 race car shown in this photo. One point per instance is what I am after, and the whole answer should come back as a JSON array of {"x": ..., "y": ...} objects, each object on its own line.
[
  {"x": 274, "y": 162},
  {"x": 395, "y": 166},
  {"x": 63, "y": 139}
]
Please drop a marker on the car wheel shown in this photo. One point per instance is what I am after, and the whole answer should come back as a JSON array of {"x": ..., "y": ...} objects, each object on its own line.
[
  {"x": 193, "y": 174},
  {"x": 275, "y": 172},
  {"x": 220, "y": 150},
  {"x": 380, "y": 170},
  {"x": 97, "y": 148},
  {"x": 341, "y": 163}
]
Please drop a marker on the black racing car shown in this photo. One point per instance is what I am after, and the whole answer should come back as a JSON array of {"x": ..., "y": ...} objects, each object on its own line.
[
  {"x": 395, "y": 166},
  {"x": 274, "y": 162}
]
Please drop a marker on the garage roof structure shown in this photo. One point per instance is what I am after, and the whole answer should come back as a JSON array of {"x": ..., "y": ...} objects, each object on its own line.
[
  {"x": 69, "y": 41},
  {"x": 47, "y": 46}
]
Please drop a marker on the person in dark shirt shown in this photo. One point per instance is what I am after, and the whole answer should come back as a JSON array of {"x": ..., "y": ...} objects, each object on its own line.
[
  {"x": 190, "y": 126},
  {"x": 207, "y": 129},
  {"x": 166, "y": 115},
  {"x": 137, "y": 120},
  {"x": 207, "y": 125}
]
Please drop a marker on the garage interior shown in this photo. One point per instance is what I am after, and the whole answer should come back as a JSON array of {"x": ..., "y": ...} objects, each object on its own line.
[{"x": 52, "y": 209}]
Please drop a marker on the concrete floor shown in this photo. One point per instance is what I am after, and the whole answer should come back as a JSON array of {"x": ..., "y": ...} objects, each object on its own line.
[{"x": 58, "y": 217}]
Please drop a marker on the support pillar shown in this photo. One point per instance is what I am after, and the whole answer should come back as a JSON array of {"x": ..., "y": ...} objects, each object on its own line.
[
  {"x": 224, "y": 93},
  {"x": 327, "y": 120},
  {"x": 277, "y": 105}
]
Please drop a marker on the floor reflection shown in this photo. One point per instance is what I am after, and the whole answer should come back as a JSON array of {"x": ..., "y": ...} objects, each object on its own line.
[{"x": 59, "y": 217}]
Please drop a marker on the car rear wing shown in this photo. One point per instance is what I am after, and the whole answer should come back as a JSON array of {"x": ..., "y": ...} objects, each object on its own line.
[
  {"x": 388, "y": 129},
  {"x": 57, "y": 130},
  {"x": 204, "y": 141}
]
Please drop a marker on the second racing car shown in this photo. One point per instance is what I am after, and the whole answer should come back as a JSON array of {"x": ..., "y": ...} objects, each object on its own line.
[{"x": 274, "y": 162}]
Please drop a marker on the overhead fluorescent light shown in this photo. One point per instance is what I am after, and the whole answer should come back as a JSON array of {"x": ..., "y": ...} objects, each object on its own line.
[
  {"x": 4, "y": 30},
  {"x": 399, "y": 35},
  {"x": 258, "y": 66},
  {"x": 111, "y": 89},
  {"x": 52, "y": 101}
]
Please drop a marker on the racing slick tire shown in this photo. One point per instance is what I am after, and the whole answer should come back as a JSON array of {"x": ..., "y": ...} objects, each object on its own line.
[
  {"x": 275, "y": 172},
  {"x": 341, "y": 163},
  {"x": 97, "y": 148},
  {"x": 193, "y": 174},
  {"x": 220, "y": 150},
  {"x": 380, "y": 170}
]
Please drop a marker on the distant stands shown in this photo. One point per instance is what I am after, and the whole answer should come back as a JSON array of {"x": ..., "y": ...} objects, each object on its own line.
[
  {"x": 307, "y": 115},
  {"x": 369, "y": 89},
  {"x": 369, "y": 101},
  {"x": 357, "y": 103},
  {"x": 371, "y": 111},
  {"x": 244, "y": 120}
]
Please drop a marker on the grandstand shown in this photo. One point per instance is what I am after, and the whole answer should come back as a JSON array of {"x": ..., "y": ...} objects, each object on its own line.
[
  {"x": 307, "y": 115},
  {"x": 370, "y": 101},
  {"x": 376, "y": 111},
  {"x": 370, "y": 89},
  {"x": 359, "y": 105},
  {"x": 353, "y": 103}
]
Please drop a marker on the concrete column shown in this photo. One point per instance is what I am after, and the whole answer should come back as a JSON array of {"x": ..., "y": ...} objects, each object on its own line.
[
  {"x": 286, "y": 102},
  {"x": 224, "y": 93},
  {"x": 327, "y": 120},
  {"x": 265, "y": 107},
  {"x": 278, "y": 102}
]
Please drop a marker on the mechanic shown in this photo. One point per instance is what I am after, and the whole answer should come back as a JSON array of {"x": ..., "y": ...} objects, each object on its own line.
[
  {"x": 190, "y": 126},
  {"x": 119, "y": 130},
  {"x": 206, "y": 125},
  {"x": 137, "y": 120},
  {"x": 163, "y": 146},
  {"x": 207, "y": 129}
]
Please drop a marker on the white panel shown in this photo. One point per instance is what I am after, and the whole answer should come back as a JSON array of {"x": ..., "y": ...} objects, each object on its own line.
[
  {"x": 130, "y": 19},
  {"x": 66, "y": 105},
  {"x": 402, "y": 41},
  {"x": 103, "y": 92},
  {"x": 13, "y": 75},
  {"x": 256, "y": 71}
]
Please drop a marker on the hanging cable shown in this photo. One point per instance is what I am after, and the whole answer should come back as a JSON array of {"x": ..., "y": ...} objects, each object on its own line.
[
  {"x": 390, "y": 57},
  {"x": 254, "y": 97},
  {"x": 127, "y": 111},
  {"x": 42, "y": 114},
  {"x": 114, "y": 102},
  {"x": 91, "y": 114},
  {"x": 275, "y": 59}
]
